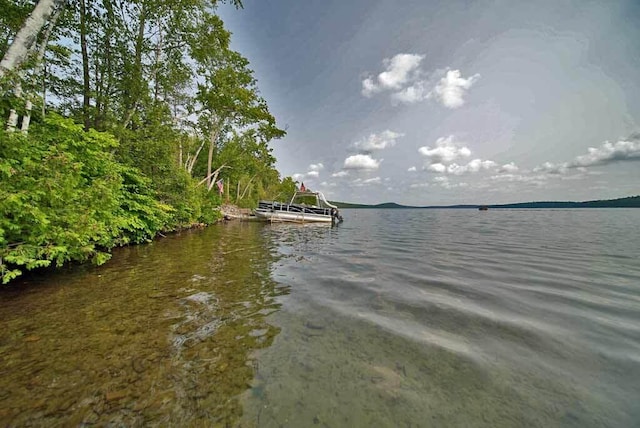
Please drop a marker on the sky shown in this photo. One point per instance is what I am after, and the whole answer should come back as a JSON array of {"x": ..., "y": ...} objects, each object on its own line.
[{"x": 425, "y": 102}]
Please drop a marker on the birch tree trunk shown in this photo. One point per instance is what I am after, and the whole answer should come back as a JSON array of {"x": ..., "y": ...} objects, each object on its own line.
[
  {"x": 212, "y": 143},
  {"x": 26, "y": 120},
  {"x": 27, "y": 35},
  {"x": 13, "y": 113}
]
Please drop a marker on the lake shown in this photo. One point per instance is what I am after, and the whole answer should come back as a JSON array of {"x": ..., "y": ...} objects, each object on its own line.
[{"x": 393, "y": 318}]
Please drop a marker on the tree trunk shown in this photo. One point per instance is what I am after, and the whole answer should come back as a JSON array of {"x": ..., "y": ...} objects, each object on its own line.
[
  {"x": 214, "y": 174},
  {"x": 135, "y": 88},
  {"x": 192, "y": 161},
  {"x": 85, "y": 66},
  {"x": 27, "y": 35},
  {"x": 247, "y": 187},
  {"x": 26, "y": 120},
  {"x": 156, "y": 66},
  {"x": 12, "y": 122},
  {"x": 212, "y": 144}
]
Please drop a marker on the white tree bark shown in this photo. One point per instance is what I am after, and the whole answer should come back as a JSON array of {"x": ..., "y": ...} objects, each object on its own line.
[
  {"x": 13, "y": 113},
  {"x": 27, "y": 35},
  {"x": 26, "y": 119}
]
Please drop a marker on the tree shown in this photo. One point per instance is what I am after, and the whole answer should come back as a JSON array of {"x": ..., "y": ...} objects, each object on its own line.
[
  {"x": 228, "y": 97},
  {"x": 26, "y": 37}
]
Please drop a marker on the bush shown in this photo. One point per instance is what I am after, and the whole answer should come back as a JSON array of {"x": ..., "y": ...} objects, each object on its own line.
[{"x": 64, "y": 197}]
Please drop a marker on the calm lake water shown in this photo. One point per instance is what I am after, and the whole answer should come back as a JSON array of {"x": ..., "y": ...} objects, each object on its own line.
[{"x": 398, "y": 318}]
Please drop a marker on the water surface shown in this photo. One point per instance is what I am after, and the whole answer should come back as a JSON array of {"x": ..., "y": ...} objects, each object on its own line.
[{"x": 394, "y": 318}]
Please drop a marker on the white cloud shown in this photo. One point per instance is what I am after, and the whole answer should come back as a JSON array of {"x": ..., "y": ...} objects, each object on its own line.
[
  {"x": 375, "y": 180},
  {"x": 412, "y": 169},
  {"x": 412, "y": 94},
  {"x": 361, "y": 162},
  {"x": 552, "y": 168},
  {"x": 538, "y": 179},
  {"x": 313, "y": 172},
  {"x": 359, "y": 182},
  {"x": 379, "y": 141},
  {"x": 405, "y": 79},
  {"x": 399, "y": 71},
  {"x": 608, "y": 153},
  {"x": 509, "y": 167},
  {"x": 446, "y": 150},
  {"x": 441, "y": 158},
  {"x": 437, "y": 167},
  {"x": 369, "y": 87},
  {"x": 452, "y": 88},
  {"x": 340, "y": 174},
  {"x": 473, "y": 166},
  {"x": 443, "y": 181}
]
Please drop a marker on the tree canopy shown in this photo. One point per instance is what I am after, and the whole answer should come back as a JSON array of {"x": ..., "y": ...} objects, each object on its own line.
[{"x": 123, "y": 119}]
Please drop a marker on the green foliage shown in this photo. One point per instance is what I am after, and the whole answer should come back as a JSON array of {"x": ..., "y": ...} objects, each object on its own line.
[
  {"x": 64, "y": 197},
  {"x": 173, "y": 102}
]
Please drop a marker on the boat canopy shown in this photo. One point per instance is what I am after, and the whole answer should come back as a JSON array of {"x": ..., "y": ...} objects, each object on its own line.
[{"x": 319, "y": 196}]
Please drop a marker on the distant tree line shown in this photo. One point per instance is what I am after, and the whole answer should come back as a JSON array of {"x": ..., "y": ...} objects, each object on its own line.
[
  {"x": 628, "y": 202},
  {"x": 122, "y": 120}
]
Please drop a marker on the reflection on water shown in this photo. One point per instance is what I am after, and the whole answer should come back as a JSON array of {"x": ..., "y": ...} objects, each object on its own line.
[
  {"x": 394, "y": 318},
  {"x": 162, "y": 334}
]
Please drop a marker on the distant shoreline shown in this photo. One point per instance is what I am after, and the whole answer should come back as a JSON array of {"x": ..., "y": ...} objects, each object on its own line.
[{"x": 629, "y": 202}]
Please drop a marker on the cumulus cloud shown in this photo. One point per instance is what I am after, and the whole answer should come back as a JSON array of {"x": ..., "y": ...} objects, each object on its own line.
[
  {"x": 379, "y": 141},
  {"x": 437, "y": 167},
  {"x": 452, "y": 87},
  {"x": 509, "y": 168},
  {"x": 473, "y": 166},
  {"x": 441, "y": 157},
  {"x": 313, "y": 171},
  {"x": 406, "y": 81},
  {"x": 361, "y": 161},
  {"x": 552, "y": 168},
  {"x": 340, "y": 174},
  {"x": 446, "y": 150},
  {"x": 412, "y": 94},
  {"x": 412, "y": 169},
  {"x": 398, "y": 72},
  {"x": 607, "y": 153}
]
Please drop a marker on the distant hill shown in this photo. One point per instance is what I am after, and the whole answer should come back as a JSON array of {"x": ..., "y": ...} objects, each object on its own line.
[
  {"x": 629, "y": 202},
  {"x": 384, "y": 205}
]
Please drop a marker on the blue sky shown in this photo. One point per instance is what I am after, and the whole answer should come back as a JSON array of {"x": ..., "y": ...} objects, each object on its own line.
[{"x": 445, "y": 102}]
